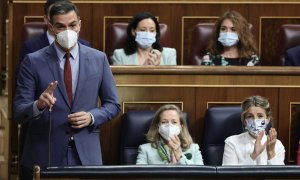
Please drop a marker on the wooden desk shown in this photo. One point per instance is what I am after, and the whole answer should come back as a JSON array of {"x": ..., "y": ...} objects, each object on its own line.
[{"x": 195, "y": 88}]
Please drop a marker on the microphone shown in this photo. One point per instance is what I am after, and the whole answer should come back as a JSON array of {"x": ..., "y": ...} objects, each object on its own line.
[{"x": 49, "y": 137}]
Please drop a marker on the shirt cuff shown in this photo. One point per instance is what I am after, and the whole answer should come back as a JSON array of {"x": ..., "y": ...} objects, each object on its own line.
[
  {"x": 92, "y": 119},
  {"x": 36, "y": 111}
]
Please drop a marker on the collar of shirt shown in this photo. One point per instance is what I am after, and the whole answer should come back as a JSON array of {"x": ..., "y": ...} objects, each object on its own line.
[
  {"x": 50, "y": 37},
  {"x": 60, "y": 53}
]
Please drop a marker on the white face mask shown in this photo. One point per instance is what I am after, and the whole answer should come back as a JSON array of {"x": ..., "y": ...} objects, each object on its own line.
[
  {"x": 67, "y": 38},
  {"x": 228, "y": 39},
  {"x": 145, "y": 39},
  {"x": 255, "y": 126},
  {"x": 168, "y": 130}
]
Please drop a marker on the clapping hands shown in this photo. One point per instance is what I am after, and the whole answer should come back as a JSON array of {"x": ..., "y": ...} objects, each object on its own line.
[
  {"x": 269, "y": 144},
  {"x": 154, "y": 58},
  {"x": 174, "y": 144}
]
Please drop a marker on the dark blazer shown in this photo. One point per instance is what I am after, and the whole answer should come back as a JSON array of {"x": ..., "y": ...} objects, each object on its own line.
[
  {"x": 38, "y": 43},
  {"x": 95, "y": 80},
  {"x": 292, "y": 57}
]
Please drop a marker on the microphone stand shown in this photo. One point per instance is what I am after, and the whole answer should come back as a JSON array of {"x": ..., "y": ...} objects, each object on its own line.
[{"x": 49, "y": 138}]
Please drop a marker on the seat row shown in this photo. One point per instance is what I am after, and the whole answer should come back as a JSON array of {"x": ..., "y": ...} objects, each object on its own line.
[
  {"x": 116, "y": 36},
  {"x": 220, "y": 123}
]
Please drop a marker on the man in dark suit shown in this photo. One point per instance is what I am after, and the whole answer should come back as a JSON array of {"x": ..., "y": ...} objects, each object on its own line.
[
  {"x": 292, "y": 57},
  {"x": 34, "y": 44},
  {"x": 57, "y": 95},
  {"x": 45, "y": 39}
]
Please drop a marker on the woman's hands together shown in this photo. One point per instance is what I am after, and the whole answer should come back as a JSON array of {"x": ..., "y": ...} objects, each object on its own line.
[
  {"x": 269, "y": 144},
  {"x": 154, "y": 58},
  {"x": 175, "y": 147}
]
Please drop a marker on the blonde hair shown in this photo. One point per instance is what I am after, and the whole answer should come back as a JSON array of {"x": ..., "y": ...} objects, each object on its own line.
[
  {"x": 256, "y": 101},
  {"x": 153, "y": 136}
]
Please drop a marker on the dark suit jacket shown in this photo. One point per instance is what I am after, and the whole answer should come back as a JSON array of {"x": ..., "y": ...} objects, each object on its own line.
[
  {"x": 95, "y": 80},
  {"x": 38, "y": 43},
  {"x": 292, "y": 57}
]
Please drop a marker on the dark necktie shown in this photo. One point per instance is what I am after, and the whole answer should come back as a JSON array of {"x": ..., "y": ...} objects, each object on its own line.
[{"x": 68, "y": 77}]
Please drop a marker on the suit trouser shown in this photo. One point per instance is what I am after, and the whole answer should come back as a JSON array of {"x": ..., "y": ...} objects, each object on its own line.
[{"x": 72, "y": 157}]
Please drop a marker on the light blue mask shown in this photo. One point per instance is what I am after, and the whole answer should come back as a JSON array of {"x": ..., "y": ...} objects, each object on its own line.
[
  {"x": 228, "y": 39},
  {"x": 145, "y": 39}
]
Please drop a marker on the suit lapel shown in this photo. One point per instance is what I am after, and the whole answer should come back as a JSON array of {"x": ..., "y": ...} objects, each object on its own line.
[
  {"x": 83, "y": 67},
  {"x": 55, "y": 69}
]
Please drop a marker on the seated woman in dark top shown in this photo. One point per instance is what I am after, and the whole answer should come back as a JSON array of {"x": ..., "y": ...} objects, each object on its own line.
[{"x": 232, "y": 43}]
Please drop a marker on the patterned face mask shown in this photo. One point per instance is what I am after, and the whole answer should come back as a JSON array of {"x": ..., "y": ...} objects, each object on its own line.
[
  {"x": 255, "y": 126},
  {"x": 228, "y": 39}
]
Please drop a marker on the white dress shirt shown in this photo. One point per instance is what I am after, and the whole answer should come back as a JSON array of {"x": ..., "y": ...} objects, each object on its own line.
[
  {"x": 50, "y": 37},
  {"x": 238, "y": 148}
]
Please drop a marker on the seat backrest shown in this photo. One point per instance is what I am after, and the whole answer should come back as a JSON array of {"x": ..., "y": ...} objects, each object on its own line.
[
  {"x": 33, "y": 29},
  {"x": 135, "y": 126},
  {"x": 117, "y": 33},
  {"x": 200, "y": 39},
  {"x": 219, "y": 123},
  {"x": 289, "y": 37}
]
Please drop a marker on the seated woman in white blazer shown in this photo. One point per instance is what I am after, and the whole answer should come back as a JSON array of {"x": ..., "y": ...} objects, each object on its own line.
[
  {"x": 169, "y": 140},
  {"x": 143, "y": 44}
]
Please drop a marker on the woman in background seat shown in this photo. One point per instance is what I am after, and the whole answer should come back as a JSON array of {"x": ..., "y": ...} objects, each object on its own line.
[
  {"x": 169, "y": 140},
  {"x": 259, "y": 144},
  {"x": 143, "y": 44},
  {"x": 232, "y": 43}
]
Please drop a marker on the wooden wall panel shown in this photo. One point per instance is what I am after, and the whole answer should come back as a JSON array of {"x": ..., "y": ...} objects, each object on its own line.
[
  {"x": 269, "y": 39},
  {"x": 181, "y": 17},
  {"x": 150, "y": 97},
  {"x": 206, "y": 97},
  {"x": 289, "y": 120}
]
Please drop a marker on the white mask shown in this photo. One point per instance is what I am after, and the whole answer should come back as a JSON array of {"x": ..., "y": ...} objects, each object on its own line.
[
  {"x": 228, "y": 39},
  {"x": 145, "y": 39},
  {"x": 168, "y": 130},
  {"x": 67, "y": 38},
  {"x": 255, "y": 126}
]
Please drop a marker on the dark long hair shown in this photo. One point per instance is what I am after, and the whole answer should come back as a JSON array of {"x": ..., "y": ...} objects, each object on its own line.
[{"x": 131, "y": 45}]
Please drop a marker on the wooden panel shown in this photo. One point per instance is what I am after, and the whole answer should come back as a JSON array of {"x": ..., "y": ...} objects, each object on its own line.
[
  {"x": 207, "y": 96},
  {"x": 187, "y": 36},
  {"x": 180, "y": 16},
  {"x": 270, "y": 28},
  {"x": 289, "y": 120},
  {"x": 294, "y": 133},
  {"x": 216, "y": 86},
  {"x": 149, "y": 95}
]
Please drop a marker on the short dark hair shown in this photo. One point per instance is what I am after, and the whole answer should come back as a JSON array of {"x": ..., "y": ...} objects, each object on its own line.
[
  {"x": 131, "y": 45},
  {"x": 50, "y": 3},
  {"x": 63, "y": 7}
]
